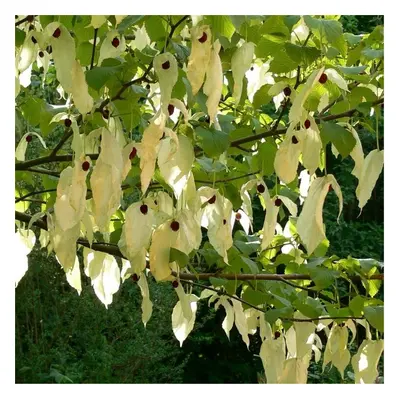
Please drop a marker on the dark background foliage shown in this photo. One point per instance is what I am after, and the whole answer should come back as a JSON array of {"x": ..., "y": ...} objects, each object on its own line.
[{"x": 62, "y": 337}]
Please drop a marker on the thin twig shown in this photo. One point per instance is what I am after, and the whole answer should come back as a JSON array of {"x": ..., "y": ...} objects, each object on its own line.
[
  {"x": 228, "y": 179},
  {"x": 25, "y": 19},
  {"x": 94, "y": 48},
  {"x": 43, "y": 171}
]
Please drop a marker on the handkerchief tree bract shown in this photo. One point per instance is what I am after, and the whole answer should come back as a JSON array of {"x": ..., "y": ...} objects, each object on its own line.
[{"x": 158, "y": 156}]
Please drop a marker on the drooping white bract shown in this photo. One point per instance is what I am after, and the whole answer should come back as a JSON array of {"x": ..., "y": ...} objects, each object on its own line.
[
  {"x": 217, "y": 218},
  {"x": 311, "y": 146},
  {"x": 148, "y": 151},
  {"x": 181, "y": 107},
  {"x": 287, "y": 157},
  {"x": 296, "y": 111},
  {"x": 74, "y": 276},
  {"x": 136, "y": 236},
  {"x": 214, "y": 81},
  {"x": 336, "y": 349},
  {"x": 164, "y": 237},
  {"x": 104, "y": 273},
  {"x": 240, "y": 321},
  {"x": 294, "y": 371},
  {"x": 336, "y": 78},
  {"x": 23, "y": 144},
  {"x": 106, "y": 180},
  {"x": 185, "y": 302},
  {"x": 371, "y": 169},
  {"x": 273, "y": 356},
  {"x": 241, "y": 62},
  {"x": 199, "y": 58},
  {"x": 24, "y": 240},
  {"x": 127, "y": 161},
  {"x": 257, "y": 77},
  {"x": 271, "y": 216},
  {"x": 189, "y": 234},
  {"x": 175, "y": 168},
  {"x": 305, "y": 333},
  {"x": 182, "y": 326},
  {"x": 227, "y": 323},
  {"x": 365, "y": 362},
  {"x": 27, "y": 53},
  {"x": 147, "y": 305},
  {"x": 63, "y": 52},
  {"x": 71, "y": 195},
  {"x": 310, "y": 224},
  {"x": 79, "y": 90},
  {"x": 108, "y": 48},
  {"x": 166, "y": 68}
]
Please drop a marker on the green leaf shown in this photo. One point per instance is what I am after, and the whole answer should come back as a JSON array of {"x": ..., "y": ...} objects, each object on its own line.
[
  {"x": 282, "y": 62},
  {"x": 339, "y": 136},
  {"x": 322, "y": 276},
  {"x": 178, "y": 256},
  {"x": 32, "y": 110},
  {"x": 261, "y": 97},
  {"x": 84, "y": 53},
  {"x": 267, "y": 48},
  {"x": 232, "y": 194},
  {"x": 213, "y": 142},
  {"x": 237, "y": 20},
  {"x": 312, "y": 308},
  {"x": 275, "y": 29},
  {"x": 128, "y": 21},
  {"x": 266, "y": 157},
  {"x": 156, "y": 28},
  {"x": 356, "y": 305},
  {"x": 302, "y": 55},
  {"x": 221, "y": 26},
  {"x": 372, "y": 54},
  {"x": 255, "y": 297},
  {"x": 330, "y": 29},
  {"x": 272, "y": 315},
  {"x": 374, "y": 316},
  {"x": 19, "y": 37},
  {"x": 98, "y": 76}
]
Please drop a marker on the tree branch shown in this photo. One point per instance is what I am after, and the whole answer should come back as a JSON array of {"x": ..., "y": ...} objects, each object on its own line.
[
  {"x": 228, "y": 179},
  {"x": 24, "y": 19},
  {"x": 94, "y": 48},
  {"x": 43, "y": 171}
]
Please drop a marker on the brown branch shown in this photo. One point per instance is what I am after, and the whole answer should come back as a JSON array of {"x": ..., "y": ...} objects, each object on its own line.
[
  {"x": 67, "y": 134},
  {"x": 26, "y": 19},
  {"x": 43, "y": 171},
  {"x": 34, "y": 193},
  {"x": 228, "y": 179}
]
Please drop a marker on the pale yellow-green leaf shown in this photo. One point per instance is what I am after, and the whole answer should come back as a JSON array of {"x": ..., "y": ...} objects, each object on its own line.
[
  {"x": 289, "y": 204},
  {"x": 357, "y": 154},
  {"x": 88, "y": 226},
  {"x": 114, "y": 125},
  {"x": 272, "y": 354},
  {"x": 97, "y": 21},
  {"x": 351, "y": 325},
  {"x": 336, "y": 349},
  {"x": 23, "y": 144},
  {"x": 74, "y": 276},
  {"x": 294, "y": 371},
  {"x": 296, "y": 110},
  {"x": 277, "y": 88},
  {"x": 79, "y": 90},
  {"x": 310, "y": 224},
  {"x": 371, "y": 169},
  {"x": 199, "y": 57},
  {"x": 35, "y": 217},
  {"x": 265, "y": 328},
  {"x": 167, "y": 77},
  {"x": 246, "y": 198},
  {"x": 180, "y": 325},
  {"x": 240, "y": 321},
  {"x": 365, "y": 362},
  {"x": 147, "y": 305},
  {"x": 44, "y": 238},
  {"x": 24, "y": 240},
  {"x": 163, "y": 239},
  {"x": 63, "y": 53},
  {"x": 107, "y": 50},
  {"x": 240, "y": 63},
  {"x": 214, "y": 81},
  {"x": 175, "y": 169}
]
